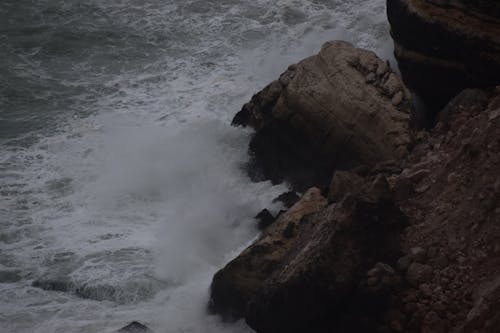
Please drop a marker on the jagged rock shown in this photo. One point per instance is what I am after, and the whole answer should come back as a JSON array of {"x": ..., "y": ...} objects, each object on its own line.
[
  {"x": 339, "y": 108},
  {"x": 264, "y": 219},
  {"x": 306, "y": 268},
  {"x": 444, "y": 46},
  {"x": 317, "y": 284},
  {"x": 234, "y": 285},
  {"x": 344, "y": 183},
  {"x": 288, "y": 199}
]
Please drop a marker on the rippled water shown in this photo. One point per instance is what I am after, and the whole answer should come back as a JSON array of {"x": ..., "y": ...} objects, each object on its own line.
[{"x": 121, "y": 182}]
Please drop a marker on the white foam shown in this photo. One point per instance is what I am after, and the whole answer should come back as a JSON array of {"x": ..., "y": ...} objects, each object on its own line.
[{"x": 140, "y": 203}]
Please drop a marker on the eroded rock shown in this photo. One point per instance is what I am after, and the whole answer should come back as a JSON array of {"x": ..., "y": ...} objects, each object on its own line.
[
  {"x": 445, "y": 46},
  {"x": 339, "y": 108},
  {"x": 234, "y": 285}
]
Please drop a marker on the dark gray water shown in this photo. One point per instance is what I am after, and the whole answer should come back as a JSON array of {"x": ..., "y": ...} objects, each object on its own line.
[{"x": 120, "y": 177}]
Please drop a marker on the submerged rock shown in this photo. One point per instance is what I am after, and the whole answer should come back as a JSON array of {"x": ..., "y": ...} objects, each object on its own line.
[
  {"x": 10, "y": 276},
  {"x": 339, "y": 108},
  {"x": 444, "y": 46},
  {"x": 135, "y": 327}
]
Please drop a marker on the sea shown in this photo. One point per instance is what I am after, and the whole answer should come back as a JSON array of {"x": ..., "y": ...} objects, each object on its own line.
[{"x": 123, "y": 186}]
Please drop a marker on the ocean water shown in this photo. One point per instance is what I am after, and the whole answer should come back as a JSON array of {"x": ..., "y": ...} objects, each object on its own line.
[{"x": 122, "y": 183}]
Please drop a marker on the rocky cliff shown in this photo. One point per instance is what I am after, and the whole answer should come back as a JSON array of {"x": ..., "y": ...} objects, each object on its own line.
[
  {"x": 403, "y": 233},
  {"x": 336, "y": 109},
  {"x": 445, "y": 46}
]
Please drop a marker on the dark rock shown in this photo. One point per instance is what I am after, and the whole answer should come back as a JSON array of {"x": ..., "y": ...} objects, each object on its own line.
[
  {"x": 62, "y": 284},
  {"x": 443, "y": 47},
  {"x": 317, "y": 286},
  {"x": 135, "y": 327},
  {"x": 234, "y": 285},
  {"x": 264, "y": 218},
  {"x": 10, "y": 276},
  {"x": 306, "y": 270},
  {"x": 344, "y": 183},
  {"x": 403, "y": 263},
  {"x": 322, "y": 114},
  {"x": 418, "y": 273},
  {"x": 288, "y": 199}
]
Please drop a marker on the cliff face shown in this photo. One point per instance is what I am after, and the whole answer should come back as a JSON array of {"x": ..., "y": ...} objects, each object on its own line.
[
  {"x": 408, "y": 245},
  {"x": 339, "y": 108},
  {"x": 444, "y": 46},
  {"x": 405, "y": 238}
]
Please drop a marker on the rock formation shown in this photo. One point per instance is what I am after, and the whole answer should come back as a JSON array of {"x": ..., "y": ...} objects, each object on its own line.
[
  {"x": 452, "y": 199},
  {"x": 234, "y": 285},
  {"x": 339, "y": 108},
  {"x": 444, "y": 46},
  {"x": 403, "y": 246},
  {"x": 405, "y": 236},
  {"x": 135, "y": 327}
]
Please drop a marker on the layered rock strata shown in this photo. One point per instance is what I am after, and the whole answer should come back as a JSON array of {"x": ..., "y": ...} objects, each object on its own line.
[
  {"x": 336, "y": 109},
  {"x": 444, "y": 46}
]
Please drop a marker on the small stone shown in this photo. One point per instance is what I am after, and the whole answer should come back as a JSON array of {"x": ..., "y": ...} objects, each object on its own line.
[
  {"x": 392, "y": 84},
  {"x": 397, "y": 98},
  {"x": 425, "y": 289},
  {"x": 370, "y": 78},
  {"x": 418, "y": 254},
  {"x": 9, "y": 276},
  {"x": 452, "y": 178},
  {"x": 382, "y": 69},
  {"x": 441, "y": 261},
  {"x": 404, "y": 263},
  {"x": 433, "y": 323},
  {"x": 418, "y": 273},
  {"x": 422, "y": 189},
  {"x": 494, "y": 114}
]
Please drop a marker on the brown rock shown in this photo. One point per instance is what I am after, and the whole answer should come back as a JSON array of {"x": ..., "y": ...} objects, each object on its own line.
[
  {"x": 418, "y": 273},
  {"x": 324, "y": 268},
  {"x": 234, "y": 285},
  {"x": 344, "y": 183},
  {"x": 322, "y": 114},
  {"x": 444, "y": 46}
]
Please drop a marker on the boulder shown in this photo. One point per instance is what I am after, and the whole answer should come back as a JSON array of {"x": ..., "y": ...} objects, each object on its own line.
[
  {"x": 308, "y": 271},
  {"x": 337, "y": 109},
  {"x": 444, "y": 46},
  {"x": 325, "y": 279},
  {"x": 234, "y": 285}
]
